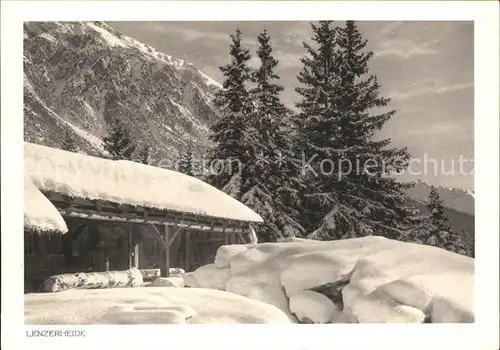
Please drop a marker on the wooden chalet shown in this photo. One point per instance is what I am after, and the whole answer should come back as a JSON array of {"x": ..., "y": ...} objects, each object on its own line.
[{"x": 164, "y": 218}]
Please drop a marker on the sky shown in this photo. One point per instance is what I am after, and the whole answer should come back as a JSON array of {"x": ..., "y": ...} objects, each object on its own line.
[{"x": 426, "y": 68}]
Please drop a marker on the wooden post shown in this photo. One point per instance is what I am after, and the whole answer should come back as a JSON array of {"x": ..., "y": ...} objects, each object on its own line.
[
  {"x": 67, "y": 243},
  {"x": 130, "y": 247},
  {"x": 94, "y": 236},
  {"x": 135, "y": 241},
  {"x": 224, "y": 233},
  {"x": 133, "y": 260},
  {"x": 165, "y": 266},
  {"x": 188, "y": 250}
]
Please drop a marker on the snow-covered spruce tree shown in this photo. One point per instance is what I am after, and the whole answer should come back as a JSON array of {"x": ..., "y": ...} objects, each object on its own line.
[
  {"x": 353, "y": 194},
  {"x": 144, "y": 155},
  {"x": 119, "y": 143},
  {"x": 316, "y": 121},
  {"x": 187, "y": 164},
  {"x": 270, "y": 186},
  {"x": 440, "y": 234},
  {"x": 68, "y": 142},
  {"x": 468, "y": 239},
  {"x": 228, "y": 132}
]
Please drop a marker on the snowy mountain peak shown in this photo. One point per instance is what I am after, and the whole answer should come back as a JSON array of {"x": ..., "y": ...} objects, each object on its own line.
[
  {"x": 455, "y": 198},
  {"x": 77, "y": 75}
]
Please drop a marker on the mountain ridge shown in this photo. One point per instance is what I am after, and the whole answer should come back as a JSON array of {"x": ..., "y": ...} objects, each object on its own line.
[
  {"x": 79, "y": 74},
  {"x": 458, "y": 199}
]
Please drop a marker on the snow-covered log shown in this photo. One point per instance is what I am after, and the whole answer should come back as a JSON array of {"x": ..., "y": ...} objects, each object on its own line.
[{"x": 93, "y": 280}]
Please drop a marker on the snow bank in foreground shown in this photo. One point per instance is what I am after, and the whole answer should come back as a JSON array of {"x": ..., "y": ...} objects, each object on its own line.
[
  {"x": 155, "y": 305},
  {"x": 39, "y": 213},
  {"x": 371, "y": 279}
]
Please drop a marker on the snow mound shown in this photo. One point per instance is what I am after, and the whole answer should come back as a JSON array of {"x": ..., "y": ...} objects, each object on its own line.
[
  {"x": 39, "y": 213},
  {"x": 368, "y": 280},
  {"x": 308, "y": 305},
  {"x": 126, "y": 182},
  {"x": 147, "y": 306},
  {"x": 190, "y": 280},
  {"x": 226, "y": 253},
  {"x": 314, "y": 269},
  {"x": 209, "y": 276}
]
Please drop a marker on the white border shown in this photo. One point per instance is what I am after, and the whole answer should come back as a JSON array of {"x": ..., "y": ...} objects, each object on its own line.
[{"x": 481, "y": 335}]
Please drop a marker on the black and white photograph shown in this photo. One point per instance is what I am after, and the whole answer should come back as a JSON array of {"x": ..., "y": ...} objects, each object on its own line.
[{"x": 273, "y": 172}]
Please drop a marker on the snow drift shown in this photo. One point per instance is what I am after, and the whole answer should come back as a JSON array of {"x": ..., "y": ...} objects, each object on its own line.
[
  {"x": 365, "y": 280},
  {"x": 154, "y": 305}
]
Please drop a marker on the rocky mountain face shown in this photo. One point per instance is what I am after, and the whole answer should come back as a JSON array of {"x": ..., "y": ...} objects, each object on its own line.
[{"x": 78, "y": 76}]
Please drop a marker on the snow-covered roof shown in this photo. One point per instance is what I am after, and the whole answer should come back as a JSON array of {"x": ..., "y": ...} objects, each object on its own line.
[
  {"x": 39, "y": 213},
  {"x": 125, "y": 182}
]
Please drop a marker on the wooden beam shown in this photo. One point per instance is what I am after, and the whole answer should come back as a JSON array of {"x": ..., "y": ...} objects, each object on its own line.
[
  {"x": 132, "y": 219},
  {"x": 158, "y": 234},
  {"x": 174, "y": 236},
  {"x": 112, "y": 211}
]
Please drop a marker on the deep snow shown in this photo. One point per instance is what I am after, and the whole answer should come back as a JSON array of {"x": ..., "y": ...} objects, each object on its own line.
[
  {"x": 154, "y": 305},
  {"x": 384, "y": 281}
]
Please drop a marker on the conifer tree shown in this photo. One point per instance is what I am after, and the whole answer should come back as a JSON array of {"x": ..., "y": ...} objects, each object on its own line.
[
  {"x": 187, "y": 164},
  {"x": 440, "y": 234},
  {"x": 270, "y": 188},
  {"x": 352, "y": 188},
  {"x": 234, "y": 107},
  {"x": 119, "y": 143},
  {"x": 68, "y": 142},
  {"x": 316, "y": 121},
  {"x": 144, "y": 155}
]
